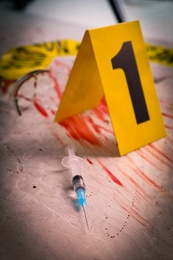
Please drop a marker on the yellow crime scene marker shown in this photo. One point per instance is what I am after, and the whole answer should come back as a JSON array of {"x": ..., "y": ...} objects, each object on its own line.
[{"x": 112, "y": 61}]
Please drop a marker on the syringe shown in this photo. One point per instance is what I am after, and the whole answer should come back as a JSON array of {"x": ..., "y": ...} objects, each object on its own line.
[{"x": 72, "y": 162}]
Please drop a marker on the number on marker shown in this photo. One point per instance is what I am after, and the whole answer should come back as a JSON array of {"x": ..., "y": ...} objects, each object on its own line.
[{"x": 125, "y": 60}]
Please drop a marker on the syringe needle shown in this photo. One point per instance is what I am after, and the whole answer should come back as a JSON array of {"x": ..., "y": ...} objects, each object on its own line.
[
  {"x": 72, "y": 162},
  {"x": 85, "y": 216}
]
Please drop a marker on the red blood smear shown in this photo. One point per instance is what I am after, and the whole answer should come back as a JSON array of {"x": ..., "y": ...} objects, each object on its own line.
[
  {"x": 164, "y": 114},
  {"x": 56, "y": 85},
  {"x": 35, "y": 83},
  {"x": 59, "y": 63},
  {"x": 158, "y": 151},
  {"x": 147, "y": 158},
  {"x": 107, "y": 130},
  {"x": 40, "y": 108},
  {"x": 89, "y": 161},
  {"x": 136, "y": 216},
  {"x": 95, "y": 127},
  {"x": 81, "y": 127},
  {"x": 157, "y": 157},
  {"x": 53, "y": 112},
  {"x": 78, "y": 129},
  {"x": 132, "y": 180},
  {"x": 110, "y": 174},
  {"x": 103, "y": 106},
  {"x": 59, "y": 139},
  {"x": 5, "y": 84},
  {"x": 98, "y": 128},
  {"x": 26, "y": 98},
  {"x": 168, "y": 127},
  {"x": 138, "y": 171}
]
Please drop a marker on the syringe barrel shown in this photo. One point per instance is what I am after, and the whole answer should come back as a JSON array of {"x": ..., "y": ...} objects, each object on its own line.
[
  {"x": 72, "y": 162},
  {"x": 74, "y": 165}
]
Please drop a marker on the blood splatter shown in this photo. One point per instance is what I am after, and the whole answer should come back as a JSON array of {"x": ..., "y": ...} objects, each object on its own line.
[
  {"x": 167, "y": 115},
  {"x": 79, "y": 129},
  {"x": 110, "y": 173},
  {"x": 5, "y": 84},
  {"x": 56, "y": 85},
  {"x": 148, "y": 158},
  {"x": 40, "y": 108},
  {"x": 17, "y": 158},
  {"x": 161, "y": 153},
  {"x": 131, "y": 179},
  {"x": 90, "y": 162},
  {"x": 25, "y": 98},
  {"x": 35, "y": 83},
  {"x": 59, "y": 63},
  {"x": 95, "y": 127},
  {"x": 139, "y": 172},
  {"x": 168, "y": 127}
]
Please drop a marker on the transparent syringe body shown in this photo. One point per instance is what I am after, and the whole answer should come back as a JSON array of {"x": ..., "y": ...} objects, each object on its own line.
[{"x": 79, "y": 187}]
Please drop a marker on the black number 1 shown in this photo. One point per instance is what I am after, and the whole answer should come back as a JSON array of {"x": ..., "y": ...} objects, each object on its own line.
[{"x": 125, "y": 60}]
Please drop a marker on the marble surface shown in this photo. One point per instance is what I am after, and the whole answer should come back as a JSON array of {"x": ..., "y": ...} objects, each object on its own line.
[{"x": 129, "y": 198}]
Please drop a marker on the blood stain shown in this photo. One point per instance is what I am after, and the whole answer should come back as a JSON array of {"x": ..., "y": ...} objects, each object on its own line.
[
  {"x": 35, "y": 83},
  {"x": 40, "y": 108},
  {"x": 160, "y": 152},
  {"x": 167, "y": 115},
  {"x": 78, "y": 129},
  {"x": 56, "y": 85},
  {"x": 110, "y": 174},
  {"x": 89, "y": 161}
]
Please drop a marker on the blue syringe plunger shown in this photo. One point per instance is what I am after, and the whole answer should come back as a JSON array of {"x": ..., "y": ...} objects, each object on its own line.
[{"x": 81, "y": 197}]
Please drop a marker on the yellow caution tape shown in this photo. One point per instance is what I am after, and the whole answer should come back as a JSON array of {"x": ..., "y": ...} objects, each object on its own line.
[
  {"x": 160, "y": 54},
  {"x": 17, "y": 62}
]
